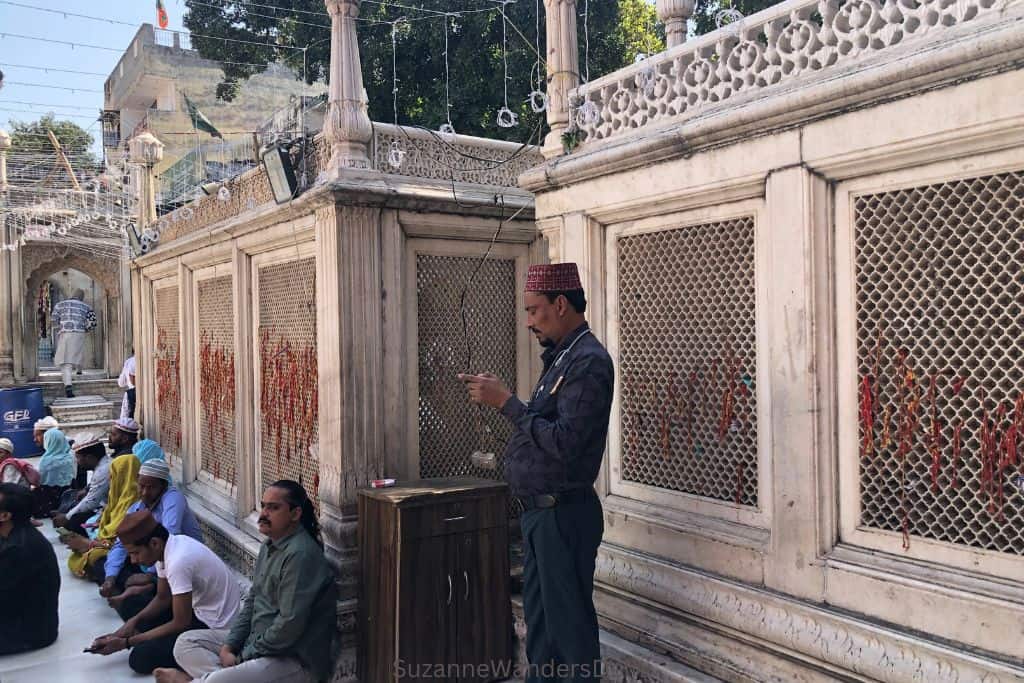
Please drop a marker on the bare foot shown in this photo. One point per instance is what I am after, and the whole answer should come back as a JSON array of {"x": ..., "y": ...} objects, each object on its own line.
[{"x": 171, "y": 676}]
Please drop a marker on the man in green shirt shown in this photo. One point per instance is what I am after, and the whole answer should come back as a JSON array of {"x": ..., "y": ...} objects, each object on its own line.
[{"x": 286, "y": 627}]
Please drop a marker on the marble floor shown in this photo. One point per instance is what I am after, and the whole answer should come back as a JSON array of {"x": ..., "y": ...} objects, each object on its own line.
[{"x": 83, "y": 616}]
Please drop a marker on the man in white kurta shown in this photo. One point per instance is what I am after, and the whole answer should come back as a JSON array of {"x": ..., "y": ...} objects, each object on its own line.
[{"x": 72, "y": 318}]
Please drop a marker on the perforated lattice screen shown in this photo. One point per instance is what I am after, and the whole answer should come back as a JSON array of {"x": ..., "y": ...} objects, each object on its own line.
[
  {"x": 288, "y": 373},
  {"x": 450, "y": 428},
  {"x": 939, "y": 343},
  {"x": 168, "y": 372},
  {"x": 217, "y": 378},
  {"x": 687, "y": 360}
]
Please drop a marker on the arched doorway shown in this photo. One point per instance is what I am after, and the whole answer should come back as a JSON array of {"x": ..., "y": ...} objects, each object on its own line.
[
  {"x": 57, "y": 272},
  {"x": 58, "y": 287}
]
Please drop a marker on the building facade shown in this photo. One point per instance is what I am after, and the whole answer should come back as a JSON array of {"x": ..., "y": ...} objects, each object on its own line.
[{"x": 146, "y": 92}]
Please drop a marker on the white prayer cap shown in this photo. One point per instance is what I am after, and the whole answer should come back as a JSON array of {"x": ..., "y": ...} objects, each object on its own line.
[{"x": 47, "y": 423}]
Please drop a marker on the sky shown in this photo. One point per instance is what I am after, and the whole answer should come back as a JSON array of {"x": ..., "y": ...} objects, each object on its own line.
[
  {"x": 29, "y": 102},
  {"x": 81, "y": 107}
]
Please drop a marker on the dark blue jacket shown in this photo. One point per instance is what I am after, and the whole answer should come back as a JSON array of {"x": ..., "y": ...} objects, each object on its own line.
[{"x": 559, "y": 436}]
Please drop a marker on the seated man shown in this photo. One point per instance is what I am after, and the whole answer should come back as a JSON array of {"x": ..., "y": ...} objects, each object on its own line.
[
  {"x": 133, "y": 586},
  {"x": 91, "y": 454},
  {"x": 15, "y": 471},
  {"x": 193, "y": 583},
  {"x": 124, "y": 434},
  {"x": 286, "y": 627},
  {"x": 29, "y": 577}
]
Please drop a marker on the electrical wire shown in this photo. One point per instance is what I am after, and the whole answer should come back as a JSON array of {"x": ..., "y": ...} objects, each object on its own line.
[
  {"x": 42, "y": 104},
  {"x": 5, "y": 34},
  {"x": 50, "y": 68},
  {"x": 37, "y": 113}
]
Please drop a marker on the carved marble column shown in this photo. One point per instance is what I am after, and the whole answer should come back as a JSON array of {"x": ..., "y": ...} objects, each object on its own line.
[
  {"x": 146, "y": 152},
  {"x": 675, "y": 14},
  {"x": 350, "y": 343},
  {"x": 563, "y": 70},
  {"x": 347, "y": 127},
  {"x": 351, "y": 399}
]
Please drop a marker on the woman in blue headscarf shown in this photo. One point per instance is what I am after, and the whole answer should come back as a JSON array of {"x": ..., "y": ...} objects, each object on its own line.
[
  {"x": 57, "y": 470},
  {"x": 147, "y": 449}
]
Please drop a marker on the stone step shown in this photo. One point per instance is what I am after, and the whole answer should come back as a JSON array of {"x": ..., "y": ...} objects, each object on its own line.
[
  {"x": 99, "y": 428},
  {"x": 87, "y": 387},
  {"x": 82, "y": 409}
]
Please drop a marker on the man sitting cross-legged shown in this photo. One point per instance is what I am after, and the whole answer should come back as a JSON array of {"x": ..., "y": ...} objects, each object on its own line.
[
  {"x": 197, "y": 586},
  {"x": 127, "y": 586},
  {"x": 286, "y": 628},
  {"x": 91, "y": 454}
]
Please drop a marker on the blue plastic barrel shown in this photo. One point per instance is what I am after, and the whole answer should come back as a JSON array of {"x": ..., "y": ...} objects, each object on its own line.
[{"x": 20, "y": 407}]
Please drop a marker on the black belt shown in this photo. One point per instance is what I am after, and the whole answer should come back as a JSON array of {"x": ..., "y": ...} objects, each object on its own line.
[{"x": 549, "y": 500}]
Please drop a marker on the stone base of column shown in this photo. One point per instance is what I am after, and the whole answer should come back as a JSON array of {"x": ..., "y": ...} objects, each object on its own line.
[
  {"x": 345, "y": 666},
  {"x": 339, "y": 527}
]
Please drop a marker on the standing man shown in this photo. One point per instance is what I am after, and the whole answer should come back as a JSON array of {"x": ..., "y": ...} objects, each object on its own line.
[
  {"x": 551, "y": 463},
  {"x": 72, "y": 318},
  {"x": 193, "y": 584},
  {"x": 29, "y": 576},
  {"x": 285, "y": 630},
  {"x": 126, "y": 380}
]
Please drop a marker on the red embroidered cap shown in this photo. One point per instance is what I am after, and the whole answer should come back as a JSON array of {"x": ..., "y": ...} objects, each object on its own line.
[{"x": 553, "y": 277}]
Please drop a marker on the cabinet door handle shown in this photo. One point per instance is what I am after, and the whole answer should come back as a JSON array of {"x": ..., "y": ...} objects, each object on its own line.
[
  {"x": 449, "y": 589},
  {"x": 454, "y": 519},
  {"x": 465, "y": 576}
]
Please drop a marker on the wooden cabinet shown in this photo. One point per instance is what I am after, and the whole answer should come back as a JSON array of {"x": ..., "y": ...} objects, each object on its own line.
[{"x": 434, "y": 603}]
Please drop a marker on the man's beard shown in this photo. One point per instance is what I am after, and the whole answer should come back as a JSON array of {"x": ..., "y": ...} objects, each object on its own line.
[{"x": 546, "y": 342}]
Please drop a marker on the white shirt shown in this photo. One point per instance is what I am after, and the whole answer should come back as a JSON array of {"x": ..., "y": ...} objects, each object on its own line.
[
  {"x": 12, "y": 475},
  {"x": 191, "y": 567}
]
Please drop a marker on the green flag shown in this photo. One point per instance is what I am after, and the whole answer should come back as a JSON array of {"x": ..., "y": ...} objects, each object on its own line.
[{"x": 199, "y": 120}]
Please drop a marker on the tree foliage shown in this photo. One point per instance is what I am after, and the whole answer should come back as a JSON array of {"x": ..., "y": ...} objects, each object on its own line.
[
  {"x": 29, "y": 139},
  {"x": 617, "y": 31},
  {"x": 705, "y": 11}
]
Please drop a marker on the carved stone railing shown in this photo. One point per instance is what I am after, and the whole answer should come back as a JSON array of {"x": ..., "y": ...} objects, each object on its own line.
[
  {"x": 428, "y": 154},
  {"x": 244, "y": 193},
  {"x": 765, "y": 50}
]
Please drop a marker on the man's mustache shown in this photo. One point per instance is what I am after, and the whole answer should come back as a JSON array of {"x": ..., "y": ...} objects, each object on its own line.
[{"x": 263, "y": 520}]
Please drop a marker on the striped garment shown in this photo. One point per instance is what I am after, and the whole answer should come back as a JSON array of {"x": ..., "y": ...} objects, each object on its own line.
[{"x": 72, "y": 315}]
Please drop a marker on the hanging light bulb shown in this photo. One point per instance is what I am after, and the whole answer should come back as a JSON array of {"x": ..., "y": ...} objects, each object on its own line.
[
  {"x": 727, "y": 16},
  {"x": 538, "y": 101},
  {"x": 507, "y": 118}
]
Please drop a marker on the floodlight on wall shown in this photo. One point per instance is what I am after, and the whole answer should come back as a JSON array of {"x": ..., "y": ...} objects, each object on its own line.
[
  {"x": 278, "y": 165},
  {"x": 210, "y": 188},
  {"x": 134, "y": 239}
]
